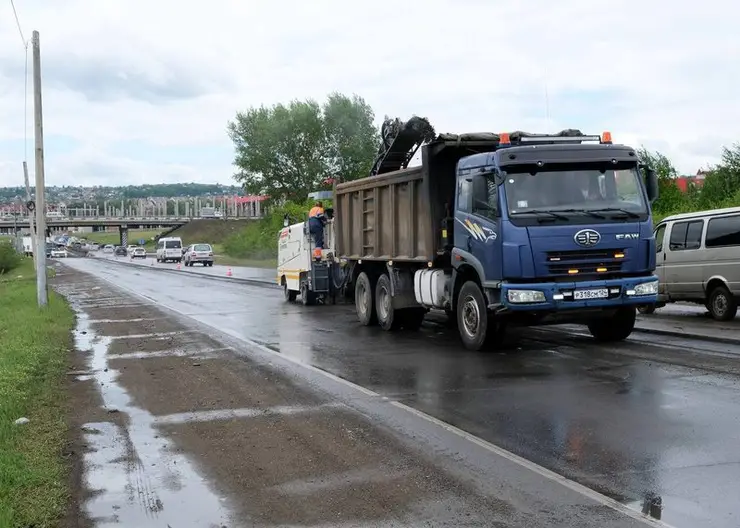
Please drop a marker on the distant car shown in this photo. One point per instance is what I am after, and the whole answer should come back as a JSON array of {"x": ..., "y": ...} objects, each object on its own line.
[
  {"x": 202, "y": 253},
  {"x": 59, "y": 253},
  {"x": 120, "y": 251},
  {"x": 130, "y": 248},
  {"x": 108, "y": 248},
  {"x": 138, "y": 252}
]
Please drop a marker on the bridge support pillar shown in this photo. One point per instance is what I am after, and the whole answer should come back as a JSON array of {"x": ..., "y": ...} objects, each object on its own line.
[{"x": 123, "y": 231}]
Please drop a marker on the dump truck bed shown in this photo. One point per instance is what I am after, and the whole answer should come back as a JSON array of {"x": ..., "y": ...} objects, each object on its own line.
[{"x": 386, "y": 217}]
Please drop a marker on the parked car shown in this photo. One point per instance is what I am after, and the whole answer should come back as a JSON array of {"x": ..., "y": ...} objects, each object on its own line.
[
  {"x": 59, "y": 252},
  {"x": 202, "y": 253},
  {"x": 138, "y": 252},
  {"x": 120, "y": 251},
  {"x": 108, "y": 248}
]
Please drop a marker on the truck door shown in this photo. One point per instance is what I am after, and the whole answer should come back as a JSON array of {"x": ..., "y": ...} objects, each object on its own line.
[{"x": 477, "y": 223}]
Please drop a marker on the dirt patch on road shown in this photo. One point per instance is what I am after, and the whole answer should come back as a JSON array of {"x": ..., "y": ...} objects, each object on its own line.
[{"x": 211, "y": 384}]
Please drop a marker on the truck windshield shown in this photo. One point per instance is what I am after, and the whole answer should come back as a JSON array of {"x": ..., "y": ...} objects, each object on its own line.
[{"x": 573, "y": 191}]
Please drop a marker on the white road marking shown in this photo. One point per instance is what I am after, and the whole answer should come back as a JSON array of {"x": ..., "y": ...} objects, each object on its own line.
[
  {"x": 232, "y": 414},
  {"x": 508, "y": 455},
  {"x": 154, "y": 335}
]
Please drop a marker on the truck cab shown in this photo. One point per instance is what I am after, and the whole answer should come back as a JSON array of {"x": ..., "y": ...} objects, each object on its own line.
[{"x": 556, "y": 229}]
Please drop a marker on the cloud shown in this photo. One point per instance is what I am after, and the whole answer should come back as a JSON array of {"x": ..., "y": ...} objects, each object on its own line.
[{"x": 141, "y": 91}]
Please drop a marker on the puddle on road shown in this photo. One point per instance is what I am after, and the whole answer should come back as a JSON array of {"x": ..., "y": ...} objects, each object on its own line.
[{"x": 134, "y": 477}]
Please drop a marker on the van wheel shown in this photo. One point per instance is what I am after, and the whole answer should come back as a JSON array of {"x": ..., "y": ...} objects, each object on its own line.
[
  {"x": 388, "y": 317},
  {"x": 365, "y": 300},
  {"x": 473, "y": 318},
  {"x": 618, "y": 327},
  {"x": 646, "y": 309},
  {"x": 721, "y": 304}
]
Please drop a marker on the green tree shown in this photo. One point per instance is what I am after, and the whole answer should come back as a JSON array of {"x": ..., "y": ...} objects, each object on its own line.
[
  {"x": 671, "y": 198},
  {"x": 287, "y": 151},
  {"x": 722, "y": 184}
]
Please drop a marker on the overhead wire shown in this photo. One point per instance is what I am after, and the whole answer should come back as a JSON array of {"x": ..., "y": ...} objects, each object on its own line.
[{"x": 25, "y": 81}]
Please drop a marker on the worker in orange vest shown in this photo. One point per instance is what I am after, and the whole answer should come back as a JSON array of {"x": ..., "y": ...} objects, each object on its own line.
[{"x": 316, "y": 221}]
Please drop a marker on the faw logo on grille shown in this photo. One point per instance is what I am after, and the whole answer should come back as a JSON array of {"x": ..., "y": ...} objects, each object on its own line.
[{"x": 587, "y": 237}]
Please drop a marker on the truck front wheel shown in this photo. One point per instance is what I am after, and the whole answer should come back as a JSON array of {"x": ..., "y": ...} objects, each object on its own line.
[
  {"x": 472, "y": 317},
  {"x": 615, "y": 328},
  {"x": 364, "y": 300}
]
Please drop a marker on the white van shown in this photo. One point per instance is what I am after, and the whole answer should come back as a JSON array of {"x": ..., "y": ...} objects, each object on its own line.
[
  {"x": 698, "y": 260},
  {"x": 169, "y": 249}
]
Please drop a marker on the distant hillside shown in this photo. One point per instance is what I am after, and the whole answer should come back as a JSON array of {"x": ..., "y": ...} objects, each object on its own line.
[{"x": 210, "y": 231}]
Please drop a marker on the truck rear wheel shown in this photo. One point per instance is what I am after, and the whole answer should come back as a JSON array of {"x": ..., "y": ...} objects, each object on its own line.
[
  {"x": 365, "y": 300},
  {"x": 615, "y": 328},
  {"x": 473, "y": 318},
  {"x": 388, "y": 317}
]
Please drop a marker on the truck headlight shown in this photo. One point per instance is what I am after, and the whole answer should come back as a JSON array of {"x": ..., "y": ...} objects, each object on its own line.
[
  {"x": 525, "y": 296},
  {"x": 646, "y": 288}
]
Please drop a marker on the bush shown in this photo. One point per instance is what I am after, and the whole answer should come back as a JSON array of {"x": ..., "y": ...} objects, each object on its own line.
[{"x": 9, "y": 257}]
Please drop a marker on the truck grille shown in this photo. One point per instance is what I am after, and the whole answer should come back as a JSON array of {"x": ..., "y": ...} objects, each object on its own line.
[{"x": 588, "y": 261}]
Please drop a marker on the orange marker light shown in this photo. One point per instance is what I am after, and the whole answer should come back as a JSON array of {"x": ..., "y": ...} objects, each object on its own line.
[
  {"x": 572, "y": 271},
  {"x": 504, "y": 138},
  {"x": 618, "y": 255},
  {"x": 606, "y": 137},
  {"x": 601, "y": 270}
]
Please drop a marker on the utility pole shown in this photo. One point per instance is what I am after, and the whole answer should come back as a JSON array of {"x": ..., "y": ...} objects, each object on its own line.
[
  {"x": 41, "y": 291},
  {"x": 30, "y": 214}
]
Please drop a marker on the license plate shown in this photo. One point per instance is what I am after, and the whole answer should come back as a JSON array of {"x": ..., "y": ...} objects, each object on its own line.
[{"x": 602, "y": 293}]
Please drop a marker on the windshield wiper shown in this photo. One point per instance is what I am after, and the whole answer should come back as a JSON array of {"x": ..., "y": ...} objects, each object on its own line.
[
  {"x": 630, "y": 214},
  {"x": 542, "y": 212},
  {"x": 589, "y": 212}
]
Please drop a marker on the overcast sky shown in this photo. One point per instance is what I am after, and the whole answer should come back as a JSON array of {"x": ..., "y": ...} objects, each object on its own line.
[{"x": 140, "y": 92}]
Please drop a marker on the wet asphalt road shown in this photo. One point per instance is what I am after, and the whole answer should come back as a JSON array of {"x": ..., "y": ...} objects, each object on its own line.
[{"x": 609, "y": 417}]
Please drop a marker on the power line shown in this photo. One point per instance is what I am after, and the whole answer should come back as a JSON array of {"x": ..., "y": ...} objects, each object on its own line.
[
  {"x": 25, "y": 82},
  {"x": 18, "y": 23}
]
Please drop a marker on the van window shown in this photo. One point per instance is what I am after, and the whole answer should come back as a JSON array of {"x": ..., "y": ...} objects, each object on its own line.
[
  {"x": 173, "y": 244},
  {"x": 723, "y": 231},
  {"x": 659, "y": 234},
  {"x": 160, "y": 245},
  {"x": 686, "y": 235}
]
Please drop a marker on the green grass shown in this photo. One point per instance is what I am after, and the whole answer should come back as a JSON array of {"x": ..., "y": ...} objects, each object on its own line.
[
  {"x": 33, "y": 357},
  {"x": 113, "y": 237}
]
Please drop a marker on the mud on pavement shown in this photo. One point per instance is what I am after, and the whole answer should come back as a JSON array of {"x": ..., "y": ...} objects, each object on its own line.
[{"x": 172, "y": 428}]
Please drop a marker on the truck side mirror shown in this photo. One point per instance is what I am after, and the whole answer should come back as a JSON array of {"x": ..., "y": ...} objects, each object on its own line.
[{"x": 651, "y": 184}]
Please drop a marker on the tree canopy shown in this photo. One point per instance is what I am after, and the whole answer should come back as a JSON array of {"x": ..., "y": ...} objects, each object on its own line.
[
  {"x": 721, "y": 186},
  {"x": 288, "y": 151}
]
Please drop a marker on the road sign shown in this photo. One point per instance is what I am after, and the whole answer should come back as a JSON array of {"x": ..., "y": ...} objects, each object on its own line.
[{"x": 142, "y": 241}]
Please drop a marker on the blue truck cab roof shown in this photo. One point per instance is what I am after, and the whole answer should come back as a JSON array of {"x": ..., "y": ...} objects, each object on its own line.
[{"x": 565, "y": 147}]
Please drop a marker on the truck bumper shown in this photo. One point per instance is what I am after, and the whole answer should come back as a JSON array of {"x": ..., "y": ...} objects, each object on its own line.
[{"x": 563, "y": 296}]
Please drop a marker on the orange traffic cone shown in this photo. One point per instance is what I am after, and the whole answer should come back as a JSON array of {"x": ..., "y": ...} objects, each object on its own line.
[{"x": 228, "y": 272}]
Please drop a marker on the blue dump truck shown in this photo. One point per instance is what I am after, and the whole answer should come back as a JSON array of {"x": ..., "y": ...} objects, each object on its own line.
[{"x": 496, "y": 230}]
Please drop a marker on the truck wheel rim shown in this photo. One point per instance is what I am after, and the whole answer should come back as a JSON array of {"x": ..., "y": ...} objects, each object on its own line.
[
  {"x": 383, "y": 304},
  {"x": 471, "y": 316},
  {"x": 362, "y": 298}
]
